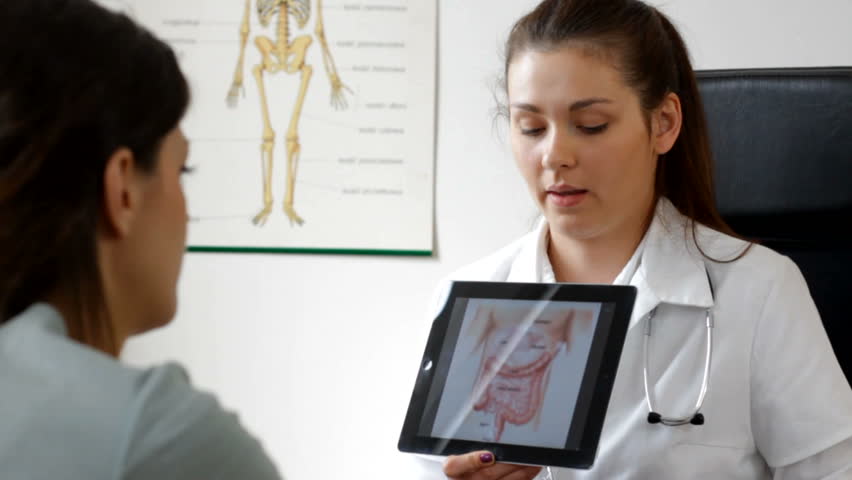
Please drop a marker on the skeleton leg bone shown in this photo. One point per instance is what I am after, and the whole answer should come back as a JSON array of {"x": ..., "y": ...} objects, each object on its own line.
[
  {"x": 266, "y": 150},
  {"x": 298, "y": 49},
  {"x": 293, "y": 146}
]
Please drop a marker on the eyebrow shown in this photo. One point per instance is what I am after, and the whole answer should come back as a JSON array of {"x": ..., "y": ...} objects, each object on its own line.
[{"x": 578, "y": 105}]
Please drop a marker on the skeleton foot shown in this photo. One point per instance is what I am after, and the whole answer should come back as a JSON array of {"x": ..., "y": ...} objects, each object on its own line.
[
  {"x": 260, "y": 218},
  {"x": 292, "y": 215}
]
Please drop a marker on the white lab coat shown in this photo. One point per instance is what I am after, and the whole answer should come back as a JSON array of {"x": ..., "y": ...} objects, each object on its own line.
[{"x": 778, "y": 405}]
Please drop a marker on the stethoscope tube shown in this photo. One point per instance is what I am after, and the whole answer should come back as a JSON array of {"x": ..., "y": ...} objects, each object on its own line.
[{"x": 696, "y": 418}]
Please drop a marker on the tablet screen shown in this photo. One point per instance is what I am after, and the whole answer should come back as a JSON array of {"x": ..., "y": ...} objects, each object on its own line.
[
  {"x": 524, "y": 370},
  {"x": 515, "y": 372}
]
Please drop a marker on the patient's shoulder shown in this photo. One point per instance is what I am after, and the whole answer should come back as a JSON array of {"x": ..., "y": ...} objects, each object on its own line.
[{"x": 204, "y": 440}]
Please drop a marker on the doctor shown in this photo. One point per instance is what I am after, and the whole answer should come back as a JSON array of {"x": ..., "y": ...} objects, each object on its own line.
[{"x": 608, "y": 131}]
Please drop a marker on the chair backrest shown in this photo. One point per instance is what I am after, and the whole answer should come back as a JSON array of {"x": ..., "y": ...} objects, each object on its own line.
[{"x": 782, "y": 143}]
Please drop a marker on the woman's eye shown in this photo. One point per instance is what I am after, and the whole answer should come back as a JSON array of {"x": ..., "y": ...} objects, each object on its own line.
[
  {"x": 186, "y": 169},
  {"x": 532, "y": 132},
  {"x": 593, "y": 129}
]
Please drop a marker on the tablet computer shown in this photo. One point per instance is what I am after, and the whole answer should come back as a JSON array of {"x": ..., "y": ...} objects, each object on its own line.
[{"x": 524, "y": 370}]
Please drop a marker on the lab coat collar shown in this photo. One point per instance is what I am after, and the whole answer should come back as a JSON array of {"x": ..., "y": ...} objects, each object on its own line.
[
  {"x": 43, "y": 314},
  {"x": 529, "y": 262},
  {"x": 671, "y": 269}
]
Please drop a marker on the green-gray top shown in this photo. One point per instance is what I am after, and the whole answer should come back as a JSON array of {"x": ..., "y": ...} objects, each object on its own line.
[{"x": 69, "y": 411}]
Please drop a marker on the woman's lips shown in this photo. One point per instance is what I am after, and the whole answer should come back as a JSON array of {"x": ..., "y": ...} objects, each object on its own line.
[{"x": 566, "y": 195}]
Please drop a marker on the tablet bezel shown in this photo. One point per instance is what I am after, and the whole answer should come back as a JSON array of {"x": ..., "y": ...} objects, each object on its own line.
[{"x": 622, "y": 296}]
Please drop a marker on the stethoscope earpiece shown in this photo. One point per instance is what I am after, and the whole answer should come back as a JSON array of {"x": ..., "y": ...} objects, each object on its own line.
[{"x": 654, "y": 417}]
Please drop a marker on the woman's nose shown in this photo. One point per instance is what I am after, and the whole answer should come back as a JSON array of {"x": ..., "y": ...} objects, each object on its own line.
[{"x": 558, "y": 151}]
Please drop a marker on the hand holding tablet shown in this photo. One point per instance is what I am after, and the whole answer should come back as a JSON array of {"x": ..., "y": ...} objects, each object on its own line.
[
  {"x": 523, "y": 371},
  {"x": 481, "y": 466}
]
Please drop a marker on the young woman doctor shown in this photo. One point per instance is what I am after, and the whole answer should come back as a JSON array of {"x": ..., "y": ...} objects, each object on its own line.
[{"x": 608, "y": 131}]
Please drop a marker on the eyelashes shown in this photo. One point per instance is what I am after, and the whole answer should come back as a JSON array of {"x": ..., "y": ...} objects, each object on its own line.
[
  {"x": 532, "y": 132},
  {"x": 589, "y": 130},
  {"x": 593, "y": 129}
]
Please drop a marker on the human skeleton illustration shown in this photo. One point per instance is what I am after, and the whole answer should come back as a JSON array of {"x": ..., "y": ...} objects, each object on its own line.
[{"x": 284, "y": 55}]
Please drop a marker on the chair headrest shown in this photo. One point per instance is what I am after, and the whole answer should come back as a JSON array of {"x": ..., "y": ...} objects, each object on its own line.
[{"x": 782, "y": 145}]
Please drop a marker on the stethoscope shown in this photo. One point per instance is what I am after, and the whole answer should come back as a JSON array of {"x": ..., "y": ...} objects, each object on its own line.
[{"x": 696, "y": 418}]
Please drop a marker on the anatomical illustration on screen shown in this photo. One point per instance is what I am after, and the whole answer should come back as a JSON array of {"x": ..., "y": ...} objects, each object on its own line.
[{"x": 516, "y": 372}]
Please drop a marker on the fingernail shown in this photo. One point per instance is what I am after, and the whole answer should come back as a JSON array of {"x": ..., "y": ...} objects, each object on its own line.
[{"x": 486, "y": 458}]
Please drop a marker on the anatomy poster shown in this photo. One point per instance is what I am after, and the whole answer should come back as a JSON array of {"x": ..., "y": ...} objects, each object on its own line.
[
  {"x": 516, "y": 372},
  {"x": 311, "y": 126}
]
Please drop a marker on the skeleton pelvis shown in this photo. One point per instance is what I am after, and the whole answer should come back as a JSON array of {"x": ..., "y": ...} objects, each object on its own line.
[
  {"x": 289, "y": 60},
  {"x": 296, "y": 53}
]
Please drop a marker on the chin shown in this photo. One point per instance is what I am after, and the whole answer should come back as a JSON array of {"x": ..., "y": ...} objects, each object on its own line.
[
  {"x": 573, "y": 226},
  {"x": 161, "y": 317},
  {"x": 169, "y": 315}
]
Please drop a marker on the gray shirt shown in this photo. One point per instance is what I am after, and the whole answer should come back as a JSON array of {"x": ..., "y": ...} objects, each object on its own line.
[{"x": 68, "y": 411}]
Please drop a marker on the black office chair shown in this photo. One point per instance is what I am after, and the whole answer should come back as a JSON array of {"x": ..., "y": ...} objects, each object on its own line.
[{"x": 782, "y": 143}]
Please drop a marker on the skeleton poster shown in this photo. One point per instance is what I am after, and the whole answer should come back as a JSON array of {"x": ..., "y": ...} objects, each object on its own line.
[{"x": 311, "y": 125}]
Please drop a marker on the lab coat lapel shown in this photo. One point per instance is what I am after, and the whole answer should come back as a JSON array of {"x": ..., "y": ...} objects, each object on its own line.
[
  {"x": 672, "y": 270},
  {"x": 526, "y": 267}
]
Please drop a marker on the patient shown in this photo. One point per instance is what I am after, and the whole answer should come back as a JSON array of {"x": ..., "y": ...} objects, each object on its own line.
[{"x": 93, "y": 232}]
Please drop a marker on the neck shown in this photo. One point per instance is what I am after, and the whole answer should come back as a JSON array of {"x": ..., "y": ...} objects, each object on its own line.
[
  {"x": 114, "y": 304},
  {"x": 594, "y": 260},
  {"x": 80, "y": 328}
]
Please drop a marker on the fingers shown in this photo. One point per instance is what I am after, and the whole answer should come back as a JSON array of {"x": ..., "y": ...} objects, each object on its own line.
[
  {"x": 504, "y": 471},
  {"x": 480, "y": 466},
  {"x": 522, "y": 473},
  {"x": 458, "y": 466}
]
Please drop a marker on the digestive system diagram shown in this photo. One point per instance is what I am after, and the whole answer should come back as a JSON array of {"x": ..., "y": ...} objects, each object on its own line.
[
  {"x": 513, "y": 391},
  {"x": 278, "y": 55}
]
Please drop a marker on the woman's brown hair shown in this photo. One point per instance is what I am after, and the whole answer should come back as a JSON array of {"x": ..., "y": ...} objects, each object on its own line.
[
  {"x": 653, "y": 59},
  {"x": 87, "y": 83}
]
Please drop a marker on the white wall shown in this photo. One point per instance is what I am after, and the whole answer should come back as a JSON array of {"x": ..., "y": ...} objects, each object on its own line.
[{"x": 317, "y": 353}]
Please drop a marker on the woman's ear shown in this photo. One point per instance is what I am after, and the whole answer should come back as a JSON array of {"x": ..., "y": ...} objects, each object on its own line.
[
  {"x": 121, "y": 195},
  {"x": 666, "y": 122}
]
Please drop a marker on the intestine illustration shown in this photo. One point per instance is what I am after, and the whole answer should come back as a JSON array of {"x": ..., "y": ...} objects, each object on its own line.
[{"x": 514, "y": 371}]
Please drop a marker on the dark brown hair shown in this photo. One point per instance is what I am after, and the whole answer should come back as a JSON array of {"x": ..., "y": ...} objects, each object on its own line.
[
  {"x": 653, "y": 59},
  {"x": 87, "y": 83}
]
